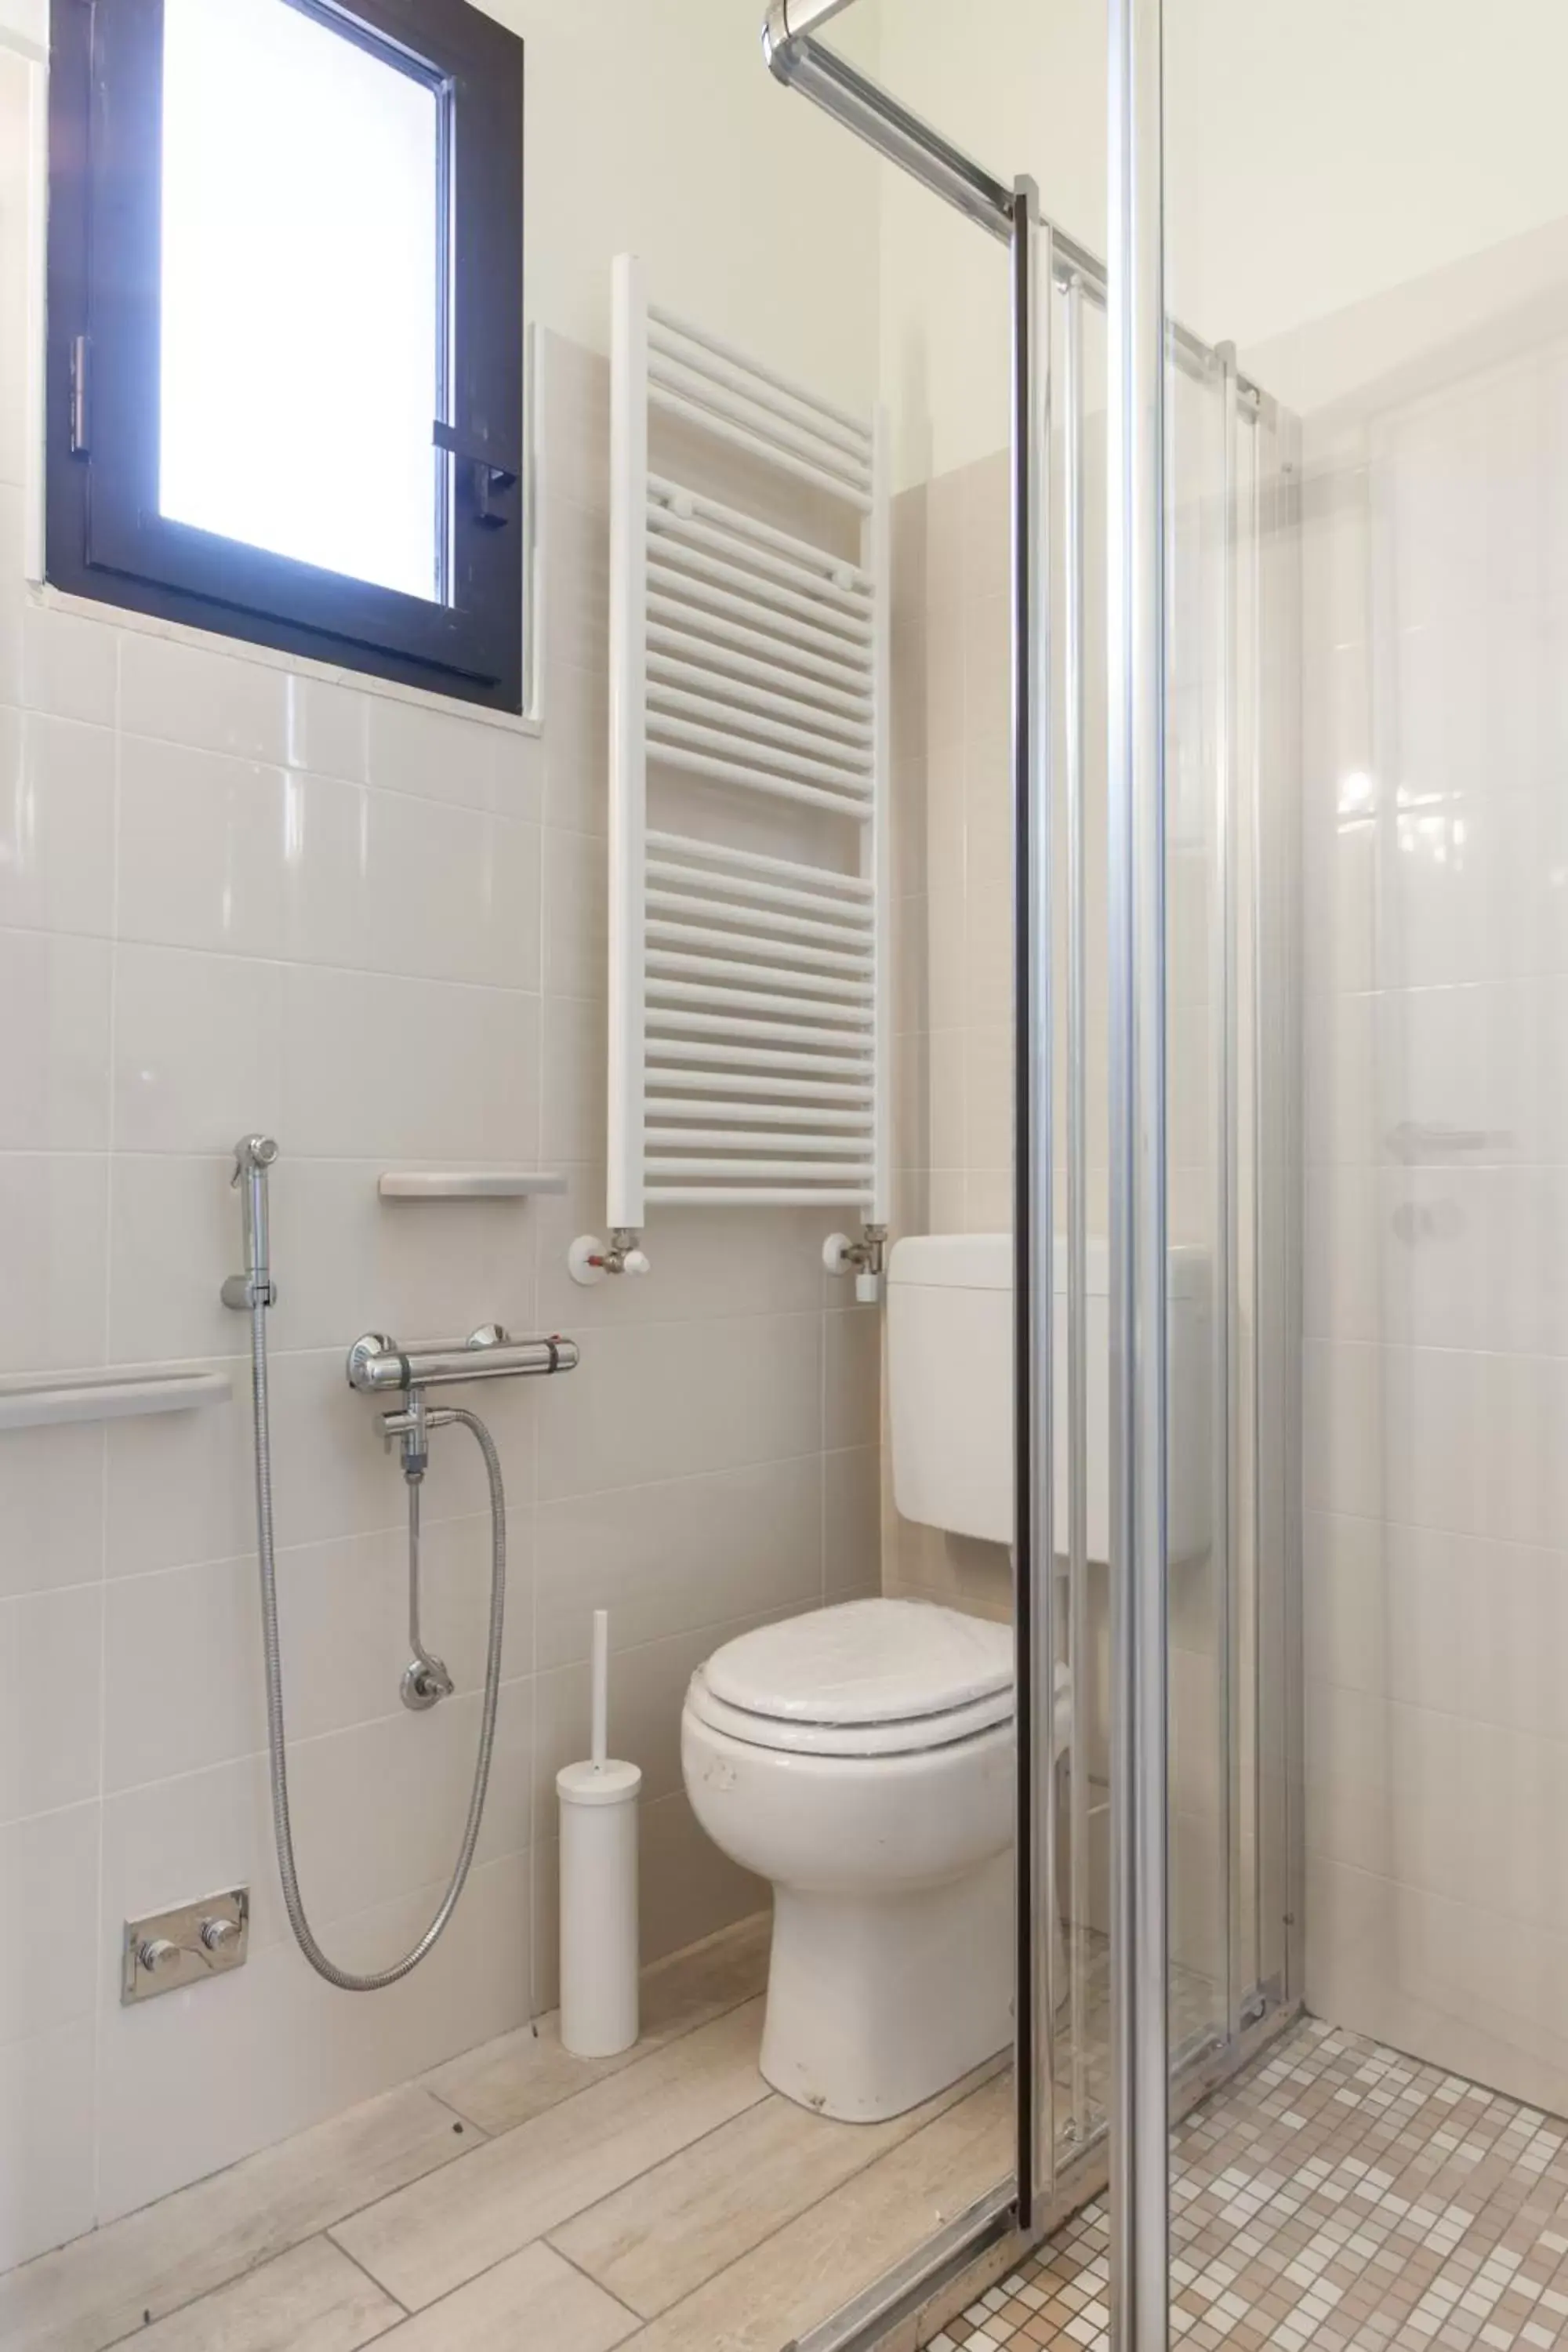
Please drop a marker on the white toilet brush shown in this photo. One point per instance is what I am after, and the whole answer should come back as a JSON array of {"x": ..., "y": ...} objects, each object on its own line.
[{"x": 599, "y": 1803}]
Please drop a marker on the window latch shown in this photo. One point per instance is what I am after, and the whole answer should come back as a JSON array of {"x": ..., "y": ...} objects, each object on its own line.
[{"x": 491, "y": 478}]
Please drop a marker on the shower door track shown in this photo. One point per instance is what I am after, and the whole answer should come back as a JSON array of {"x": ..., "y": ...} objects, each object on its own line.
[{"x": 983, "y": 2243}]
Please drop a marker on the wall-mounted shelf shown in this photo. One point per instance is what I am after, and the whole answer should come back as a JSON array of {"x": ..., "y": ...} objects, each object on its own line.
[
  {"x": 468, "y": 1183},
  {"x": 31, "y": 1402}
]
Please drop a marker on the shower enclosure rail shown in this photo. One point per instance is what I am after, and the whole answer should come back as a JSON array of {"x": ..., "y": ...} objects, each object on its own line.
[{"x": 794, "y": 56}]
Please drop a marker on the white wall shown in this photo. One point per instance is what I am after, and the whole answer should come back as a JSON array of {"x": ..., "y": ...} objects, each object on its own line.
[
  {"x": 1318, "y": 152},
  {"x": 236, "y": 894},
  {"x": 1435, "y": 869},
  {"x": 658, "y": 130}
]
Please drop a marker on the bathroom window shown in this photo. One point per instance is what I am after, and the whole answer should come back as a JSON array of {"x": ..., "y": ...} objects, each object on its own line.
[{"x": 285, "y": 363}]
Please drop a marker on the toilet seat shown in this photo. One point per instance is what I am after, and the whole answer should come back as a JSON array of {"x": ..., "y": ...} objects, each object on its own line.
[
  {"x": 865, "y": 1678},
  {"x": 901, "y": 1736}
]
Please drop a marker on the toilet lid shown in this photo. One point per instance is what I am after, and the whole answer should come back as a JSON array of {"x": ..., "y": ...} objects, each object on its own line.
[{"x": 865, "y": 1662}]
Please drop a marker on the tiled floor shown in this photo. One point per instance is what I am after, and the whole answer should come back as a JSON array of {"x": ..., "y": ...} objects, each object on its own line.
[
  {"x": 666, "y": 2200},
  {"x": 1339, "y": 2196}
]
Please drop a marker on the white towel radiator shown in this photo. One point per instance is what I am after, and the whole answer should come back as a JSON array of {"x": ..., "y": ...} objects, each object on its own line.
[{"x": 750, "y": 1022}]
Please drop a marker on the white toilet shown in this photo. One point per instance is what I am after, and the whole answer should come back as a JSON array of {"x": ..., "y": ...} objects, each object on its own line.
[{"x": 861, "y": 1758}]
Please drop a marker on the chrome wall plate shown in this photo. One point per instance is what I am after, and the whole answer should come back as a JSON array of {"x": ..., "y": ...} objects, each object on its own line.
[{"x": 196, "y": 1940}]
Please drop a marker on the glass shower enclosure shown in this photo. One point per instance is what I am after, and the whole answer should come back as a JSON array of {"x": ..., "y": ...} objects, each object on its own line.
[{"x": 1155, "y": 1201}]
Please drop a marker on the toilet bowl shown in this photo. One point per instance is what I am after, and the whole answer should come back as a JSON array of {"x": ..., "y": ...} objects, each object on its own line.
[{"x": 861, "y": 1758}]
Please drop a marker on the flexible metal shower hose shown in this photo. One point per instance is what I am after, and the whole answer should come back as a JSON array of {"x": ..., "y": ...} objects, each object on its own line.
[{"x": 283, "y": 1825}]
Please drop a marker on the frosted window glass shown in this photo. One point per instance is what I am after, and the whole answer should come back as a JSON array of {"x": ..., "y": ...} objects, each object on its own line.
[{"x": 301, "y": 313}]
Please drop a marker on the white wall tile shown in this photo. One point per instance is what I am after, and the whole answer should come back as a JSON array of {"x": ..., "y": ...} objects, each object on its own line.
[
  {"x": 223, "y": 852},
  {"x": 576, "y": 923},
  {"x": 48, "y": 1972},
  {"x": 67, "y": 666},
  {"x": 216, "y": 701},
  {"x": 181, "y": 1685},
  {"x": 57, "y": 822},
  {"x": 1434, "y": 1607},
  {"x": 328, "y": 729},
  {"x": 53, "y": 1222},
  {"x": 681, "y": 1553},
  {"x": 48, "y": 2155},
  {"x": 182, "y": 1682},
  {"x": 851, "y": 1521},
  {"x": 852, "y": 1377},
  {"x": 450, "y": 894},
  {"x": 380, "y": 1807},
  {"x": 577, "y": 748},
  {"x": 13, "y": 264},
  {"x": 1423, "y": 1969},
  {"x": 174, "y": 1234},
  {"x": 441, "y": 755},
  {"x": 178, "y": 1484},
  {"x": 197, "y": 1050},
  {"x": 572, "y": 1088},
  {"x": 664, "y": 1400},
  {"x": 51, "y": 1506},
  {"x": 51, "y": 1662},
  {"x": 12, "y": 594},
  {"x": 351, "y": 1040},
  {"x": 54, "y": 1042}
]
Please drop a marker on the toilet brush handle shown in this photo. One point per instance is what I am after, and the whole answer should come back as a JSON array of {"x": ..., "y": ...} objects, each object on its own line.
[{"x": 599, "y": 1748}]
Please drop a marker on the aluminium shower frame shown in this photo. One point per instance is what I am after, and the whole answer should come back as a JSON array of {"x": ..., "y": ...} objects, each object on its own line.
[{"x": 1144, "y": 343}]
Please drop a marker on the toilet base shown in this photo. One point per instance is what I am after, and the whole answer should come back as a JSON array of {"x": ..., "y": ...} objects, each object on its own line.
[{"x": 876, "y": 2004}]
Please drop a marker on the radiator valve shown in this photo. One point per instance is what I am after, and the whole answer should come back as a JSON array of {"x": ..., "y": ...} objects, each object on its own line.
[
  {"x": 589, "y": 1260},
  {"x": 864, "y": 1259}
]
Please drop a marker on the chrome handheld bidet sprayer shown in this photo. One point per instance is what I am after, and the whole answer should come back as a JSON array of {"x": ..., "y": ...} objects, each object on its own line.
[{"x": 253, "y": 1292}]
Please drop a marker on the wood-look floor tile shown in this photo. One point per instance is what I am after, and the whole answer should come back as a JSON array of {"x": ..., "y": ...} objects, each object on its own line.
[
  {"x": 427, "y": 2239},
  {"x": 662, "y": 2235},
  {"x": 812, "y": 2265},
  {"x": 503, "y": 2083},
  {"x": 97, "y": 2289},
  {"x": 532, "y": 2299},
  {"x": 311, "y": 2299}
]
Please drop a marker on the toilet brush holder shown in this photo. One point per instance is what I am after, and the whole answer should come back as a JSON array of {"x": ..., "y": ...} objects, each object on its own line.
[
  {"x": 599, "y": 1803},
  {"x": 598, "y": 1906}
]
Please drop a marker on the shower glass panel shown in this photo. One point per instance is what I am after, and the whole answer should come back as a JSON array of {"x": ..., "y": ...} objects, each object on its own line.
[{"x": 1374, "y": 212}]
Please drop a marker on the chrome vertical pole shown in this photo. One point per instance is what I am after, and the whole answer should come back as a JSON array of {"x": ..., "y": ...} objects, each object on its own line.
[
  {"x": 1257, "y": 1044},
  {"x": 1136, "y": 529},
  {"x": 1224, "y": 1145},
  {"x": 1076, "y": 1104},
  {"x": 1034, "y": 1281}
]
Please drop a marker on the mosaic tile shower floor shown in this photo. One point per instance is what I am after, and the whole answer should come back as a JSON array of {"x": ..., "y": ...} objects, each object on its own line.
[{"x": 1339, "y": 2195}]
